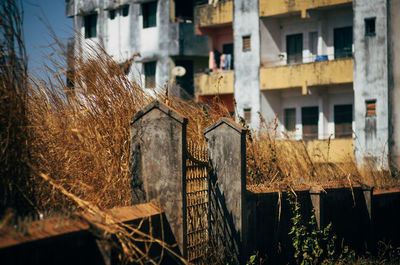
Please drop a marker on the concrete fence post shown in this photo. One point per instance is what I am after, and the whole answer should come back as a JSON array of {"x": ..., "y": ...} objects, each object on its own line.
[
  {"x": 368, "y": 194},
  {"x": 316, "y": 200},
  {"x": 226, "y": 144},
  {"x": 157, "y": 163}
]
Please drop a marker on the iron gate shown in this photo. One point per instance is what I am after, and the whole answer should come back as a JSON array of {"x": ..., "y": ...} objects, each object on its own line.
[{"x": 197, "y": 202}]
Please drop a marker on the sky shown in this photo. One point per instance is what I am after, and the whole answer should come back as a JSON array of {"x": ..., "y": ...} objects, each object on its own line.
[{"x": 37, "y": 35}]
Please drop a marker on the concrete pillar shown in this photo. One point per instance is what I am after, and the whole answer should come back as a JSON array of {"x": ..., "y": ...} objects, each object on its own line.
[
  {"x": 226, "y": 143},
  {"x": 316, "y": 200},
  {"x": 368, "y": 193},
  {"x": 157, "y": 163}
]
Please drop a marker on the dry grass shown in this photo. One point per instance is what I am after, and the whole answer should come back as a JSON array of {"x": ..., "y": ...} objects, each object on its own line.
[
  {"x": 275, "y": 164},
  {"x": 79, "y": 140}
]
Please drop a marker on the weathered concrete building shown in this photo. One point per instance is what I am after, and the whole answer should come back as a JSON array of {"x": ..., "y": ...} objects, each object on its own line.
[
  {"x": 292, "y": 61},
  {"x": 376, "y": 82},
  {"x": 326, "y": 70},
  {"x": 161, "y": 31}
]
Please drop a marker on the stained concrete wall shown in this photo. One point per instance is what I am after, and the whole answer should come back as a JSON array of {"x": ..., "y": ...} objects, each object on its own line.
[
  {"x": 226, "y": 143},
  {"x": 247, "y": 63},
  {"x": 394, "y": 82},
  {"x": 157, "y": 162},
  {"x": 371, "y": 83}
]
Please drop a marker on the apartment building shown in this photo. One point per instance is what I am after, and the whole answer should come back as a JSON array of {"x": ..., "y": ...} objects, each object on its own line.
[
  {"x": 161, "y": 31},
  {"x": 323, "y": 69},
  {"x": 215, "y": 21}
]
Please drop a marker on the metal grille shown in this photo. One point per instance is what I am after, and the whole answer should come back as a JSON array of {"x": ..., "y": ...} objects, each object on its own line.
[{"x": 197, "y": 202}]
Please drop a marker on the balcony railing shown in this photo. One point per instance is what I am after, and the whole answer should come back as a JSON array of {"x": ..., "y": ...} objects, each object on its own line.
[
  {"x": 210, "y": 15},
  {"x": 214, "y": 83},
  {"x": 317, "y": 73},
  {"x": 280, "y": 7}
]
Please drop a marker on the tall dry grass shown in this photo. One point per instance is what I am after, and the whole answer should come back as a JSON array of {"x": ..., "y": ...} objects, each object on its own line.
[{"x": 79, "y": 137}]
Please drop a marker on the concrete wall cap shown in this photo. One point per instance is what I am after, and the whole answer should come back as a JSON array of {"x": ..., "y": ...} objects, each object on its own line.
[
  {"x": 240, "y": 129},
  {"x": 163, "y": 108}
]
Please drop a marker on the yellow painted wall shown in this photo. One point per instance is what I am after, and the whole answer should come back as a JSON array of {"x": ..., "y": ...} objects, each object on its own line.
[
  {"x": 208, "y": 15},
  {"x": 214, "y": 83},
  {"x": 308, "y": 74},
  {"x": 279, "y": 7},
  {"x": 340, "y": 150}
]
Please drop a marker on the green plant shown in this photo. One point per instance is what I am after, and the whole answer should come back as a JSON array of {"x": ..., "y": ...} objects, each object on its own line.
[{"x": 313, "y": 246}]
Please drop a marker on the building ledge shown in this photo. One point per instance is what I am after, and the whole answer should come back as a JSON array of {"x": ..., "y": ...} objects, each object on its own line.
[
  {"x": 210, "y": 15},
  {"x": 281, "y": 7},
  {"x": 214, "y": 83},
  {"x": 333, "y": 72}
]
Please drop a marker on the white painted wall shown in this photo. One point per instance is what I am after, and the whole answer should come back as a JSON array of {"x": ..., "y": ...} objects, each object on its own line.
[
  {"x": 274, "y": 102},
  {"x": 274, "y": 31}
]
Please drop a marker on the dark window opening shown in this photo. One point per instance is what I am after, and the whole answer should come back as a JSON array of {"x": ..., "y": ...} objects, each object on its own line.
[
  {"x": 90, "y": 26},
  {"x": 125, "y": 10},
  {"x": 309, "y": 116},
  {"x": 111, "y": 14},
  {"x": 371, "y": 108},
  {"x": 370, "y": 26},
  {"x": 227, "y": 49},
  {"x": 290, "y": 120},
  {"x": 294, "y": 48},
  {"x": 150, "y": 74},
  {"x": 125, "y": 67},
  {"x": 184, "y": 10},
  {"x": 343, "y": 42},
  {"x": 247, "y": 115},
  {"x": 185, "y": 82},
  {"x": 343, "y": 117},
  {"x": 246, "y": 43},
  {"x": 149, "y": 12}
]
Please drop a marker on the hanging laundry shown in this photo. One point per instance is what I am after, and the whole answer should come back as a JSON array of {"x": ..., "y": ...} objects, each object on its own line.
[
  {"x": 228, "y": 59},
  {"x": 211, "y": 62},
  {"x": 222, "y": 64}
]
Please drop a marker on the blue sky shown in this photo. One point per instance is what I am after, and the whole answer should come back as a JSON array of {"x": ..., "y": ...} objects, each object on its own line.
[{"x": 37, "y": 36}]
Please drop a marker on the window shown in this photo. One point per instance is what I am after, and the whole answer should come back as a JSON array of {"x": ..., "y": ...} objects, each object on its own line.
[
  {"x": 313, "y": 44},
  {"x": 309, "y": 117},
  {"x": 150, "y": 74},
  {"x": 246, "y": 43},
  {"x": 184, "y": 10},
  {"x": 185, "y": 82},
  {"x": 343, "y": 41},
  {"x": 294, "y": 48},
  {"x": 111, "y": 14},
  {"x": 370, "y": 26},
  {"x": 343, "y": 116},
  {"x": 149, "y": 12},
  {"x": 125, "y": 67},
  {"x": 125, "y": 10},
  {"x": 371, "y": 108},
  {"x": 90, "y": 26},
  {"x": 290, "y": 119},
  {"x": 247, "y": 115}
]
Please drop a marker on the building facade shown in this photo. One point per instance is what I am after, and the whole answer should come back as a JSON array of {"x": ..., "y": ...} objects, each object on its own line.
[
  {"x": 320, "y": 69},
  {"x": 162, "y": 32}
]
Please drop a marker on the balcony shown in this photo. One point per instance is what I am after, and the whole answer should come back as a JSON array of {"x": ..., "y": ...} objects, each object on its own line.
[
  {"x": 333, "y": 72},
  {"x": 214, "y": 83},
  {"x": 208, "y": 15},
  {"x": 280, "y": 7}
]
